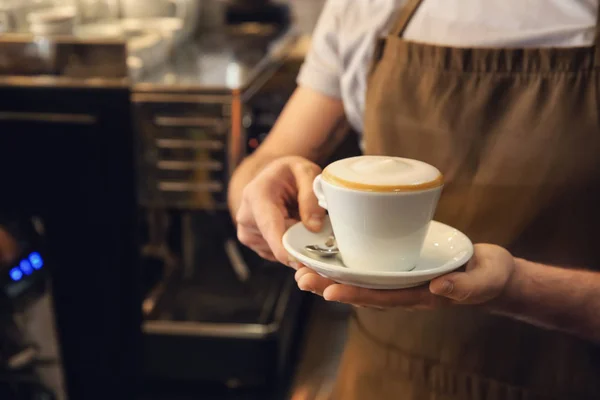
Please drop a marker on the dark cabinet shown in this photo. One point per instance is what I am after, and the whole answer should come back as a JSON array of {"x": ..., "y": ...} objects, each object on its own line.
[{"x": 67, "y": 156}]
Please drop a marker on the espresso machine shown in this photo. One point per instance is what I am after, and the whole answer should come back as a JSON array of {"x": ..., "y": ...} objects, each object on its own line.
[
  {"x": 126, "y": 179},
  {"x": 218, "y": 299},
  {"x": 66, "y": 156}
]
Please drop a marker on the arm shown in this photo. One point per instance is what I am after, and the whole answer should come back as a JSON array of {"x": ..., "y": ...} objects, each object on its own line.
[
  {"x": 311, "y": 126},
  {"x": 551, "y": 297},
  {"x": 556, "y": 298},
  {"x": 272, "y": 189}
]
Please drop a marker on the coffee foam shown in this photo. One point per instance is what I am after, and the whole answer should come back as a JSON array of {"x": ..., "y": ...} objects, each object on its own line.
[{"x": 381, "y": 173}]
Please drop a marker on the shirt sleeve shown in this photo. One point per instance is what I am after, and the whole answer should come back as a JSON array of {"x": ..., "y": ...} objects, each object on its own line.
[{"x": 321, "y": 69}]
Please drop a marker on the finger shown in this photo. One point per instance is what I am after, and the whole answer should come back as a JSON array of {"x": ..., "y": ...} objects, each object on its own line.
[
  {"x": 262, "y": 249},
  {"x": 380, "y": 298},
  {"x": 311, "y": 213},
  {"x": 250, "y": 239},
  {"x": 312, "y": 282},
  {"x": 301, "y": 272},
  {"x": 482, "y": 282},
  {"x": 253, "y": 229},
  {"x": 267, "y": 255},
  {"x": 289, "y": 222},
  {"x": 270, "y": 221},
  {"x": 251, "y": 236}
]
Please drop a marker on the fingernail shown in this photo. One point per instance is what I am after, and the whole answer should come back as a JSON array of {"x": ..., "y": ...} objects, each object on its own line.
[
  {"x": 445, "y": 287},
  {"x": 315, "y": 221},
  {"x": 293, "y": 263},
  {"x": 306, "y": 288}
]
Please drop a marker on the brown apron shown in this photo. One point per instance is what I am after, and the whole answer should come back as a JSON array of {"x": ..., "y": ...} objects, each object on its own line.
[{"x": 516, "y": 133}]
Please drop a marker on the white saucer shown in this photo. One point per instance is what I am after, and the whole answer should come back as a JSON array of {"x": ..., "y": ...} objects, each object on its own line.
[{"x": 445, "y": 249}]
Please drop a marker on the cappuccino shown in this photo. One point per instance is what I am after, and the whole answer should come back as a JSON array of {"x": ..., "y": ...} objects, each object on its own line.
[
  {"x": 383, "y": 174},
  {"x": 380, "y": 209}
]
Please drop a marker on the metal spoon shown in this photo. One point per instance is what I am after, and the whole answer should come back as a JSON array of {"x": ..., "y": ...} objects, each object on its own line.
[{"x": 330, "y": 251}]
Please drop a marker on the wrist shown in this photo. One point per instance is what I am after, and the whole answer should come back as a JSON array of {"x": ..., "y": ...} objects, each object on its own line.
[
  {"x": 240, "y": 178},
  {"x": 514, "y": 287}
]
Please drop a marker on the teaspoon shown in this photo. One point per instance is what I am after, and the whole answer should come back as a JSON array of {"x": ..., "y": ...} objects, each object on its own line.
[{"x": 330, "y": 251}]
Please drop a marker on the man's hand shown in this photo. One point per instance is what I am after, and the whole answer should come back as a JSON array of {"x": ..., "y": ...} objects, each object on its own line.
[
  {"x": 278, "y": 197},
  {"x": 485, "y": 278}
]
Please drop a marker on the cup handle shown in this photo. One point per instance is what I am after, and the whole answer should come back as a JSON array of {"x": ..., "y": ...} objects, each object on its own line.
[{"x": 318, "y": 190}]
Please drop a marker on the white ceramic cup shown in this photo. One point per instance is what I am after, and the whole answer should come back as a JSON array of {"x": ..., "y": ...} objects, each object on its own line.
[{"x": 378, "y": 231}]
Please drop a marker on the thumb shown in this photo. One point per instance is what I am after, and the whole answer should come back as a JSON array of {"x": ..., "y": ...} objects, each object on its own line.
[
  {"x": 480, "y": 283},
  {"x": 311, "y": 213},
  {"x": 455, "y": 286}
]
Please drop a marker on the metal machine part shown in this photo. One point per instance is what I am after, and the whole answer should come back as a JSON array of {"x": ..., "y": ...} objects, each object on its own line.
[
  {"x": 214, "y": 327},
  {"x": 194, "y": 116},
  {"x": 197, "y": 120},
  {"x": 72, "y": 120},
  {"x": 24, "y": 278},
  {"x": 185, "y": 149}
]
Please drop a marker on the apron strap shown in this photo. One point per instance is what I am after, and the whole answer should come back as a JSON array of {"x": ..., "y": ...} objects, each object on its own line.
[{"x": 406, "y": 14}]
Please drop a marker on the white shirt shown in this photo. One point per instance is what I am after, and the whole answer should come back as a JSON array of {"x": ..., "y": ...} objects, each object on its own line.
[{"x": 345, "y": 35}]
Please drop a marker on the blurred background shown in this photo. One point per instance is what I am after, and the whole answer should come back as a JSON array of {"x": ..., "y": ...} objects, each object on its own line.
[{"x": 121, "y": 122}]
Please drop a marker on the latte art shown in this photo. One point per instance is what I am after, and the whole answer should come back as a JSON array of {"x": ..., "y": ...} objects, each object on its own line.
[{"x": 381, "y": 173}]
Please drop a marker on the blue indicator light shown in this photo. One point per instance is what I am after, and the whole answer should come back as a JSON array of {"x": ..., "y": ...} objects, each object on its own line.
[
  {"x": 16, "y": 274},
  {"x": 36, "y": 260},
  {"x": 26, "y": 267}
]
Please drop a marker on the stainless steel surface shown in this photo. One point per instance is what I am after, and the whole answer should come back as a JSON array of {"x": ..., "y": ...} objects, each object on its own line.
[
  {"x": 219, "y": 125},
  {"x": 157, "y": 246},
  {"x": 61, "y": 59},
  {"x": 216, "y": 62},
  {"x": 184, "y": 149},
  {"x": 210, "y": 187},
  {"x": 190, "y": 117},
  {"x": 201, "y": 102},
  {"x": 53, "y": 118},
  {"x": 192, "y": 17},
  {"x": 190, "y": 165},
  {"x": 13, "y": 13},
  {"x": 53, "y": 21},
  {"x": 63, "y": 82},
  {"x": 190, "y": 112},
  {"x": 197, "y": 329},
  {"x": 187, "y": 12},
  {"x": 91, "y": 11},
  {"x": 223, "y": 330},
  {"x": 240, "y": 267},
  {"x": 189, "y": 144}
]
